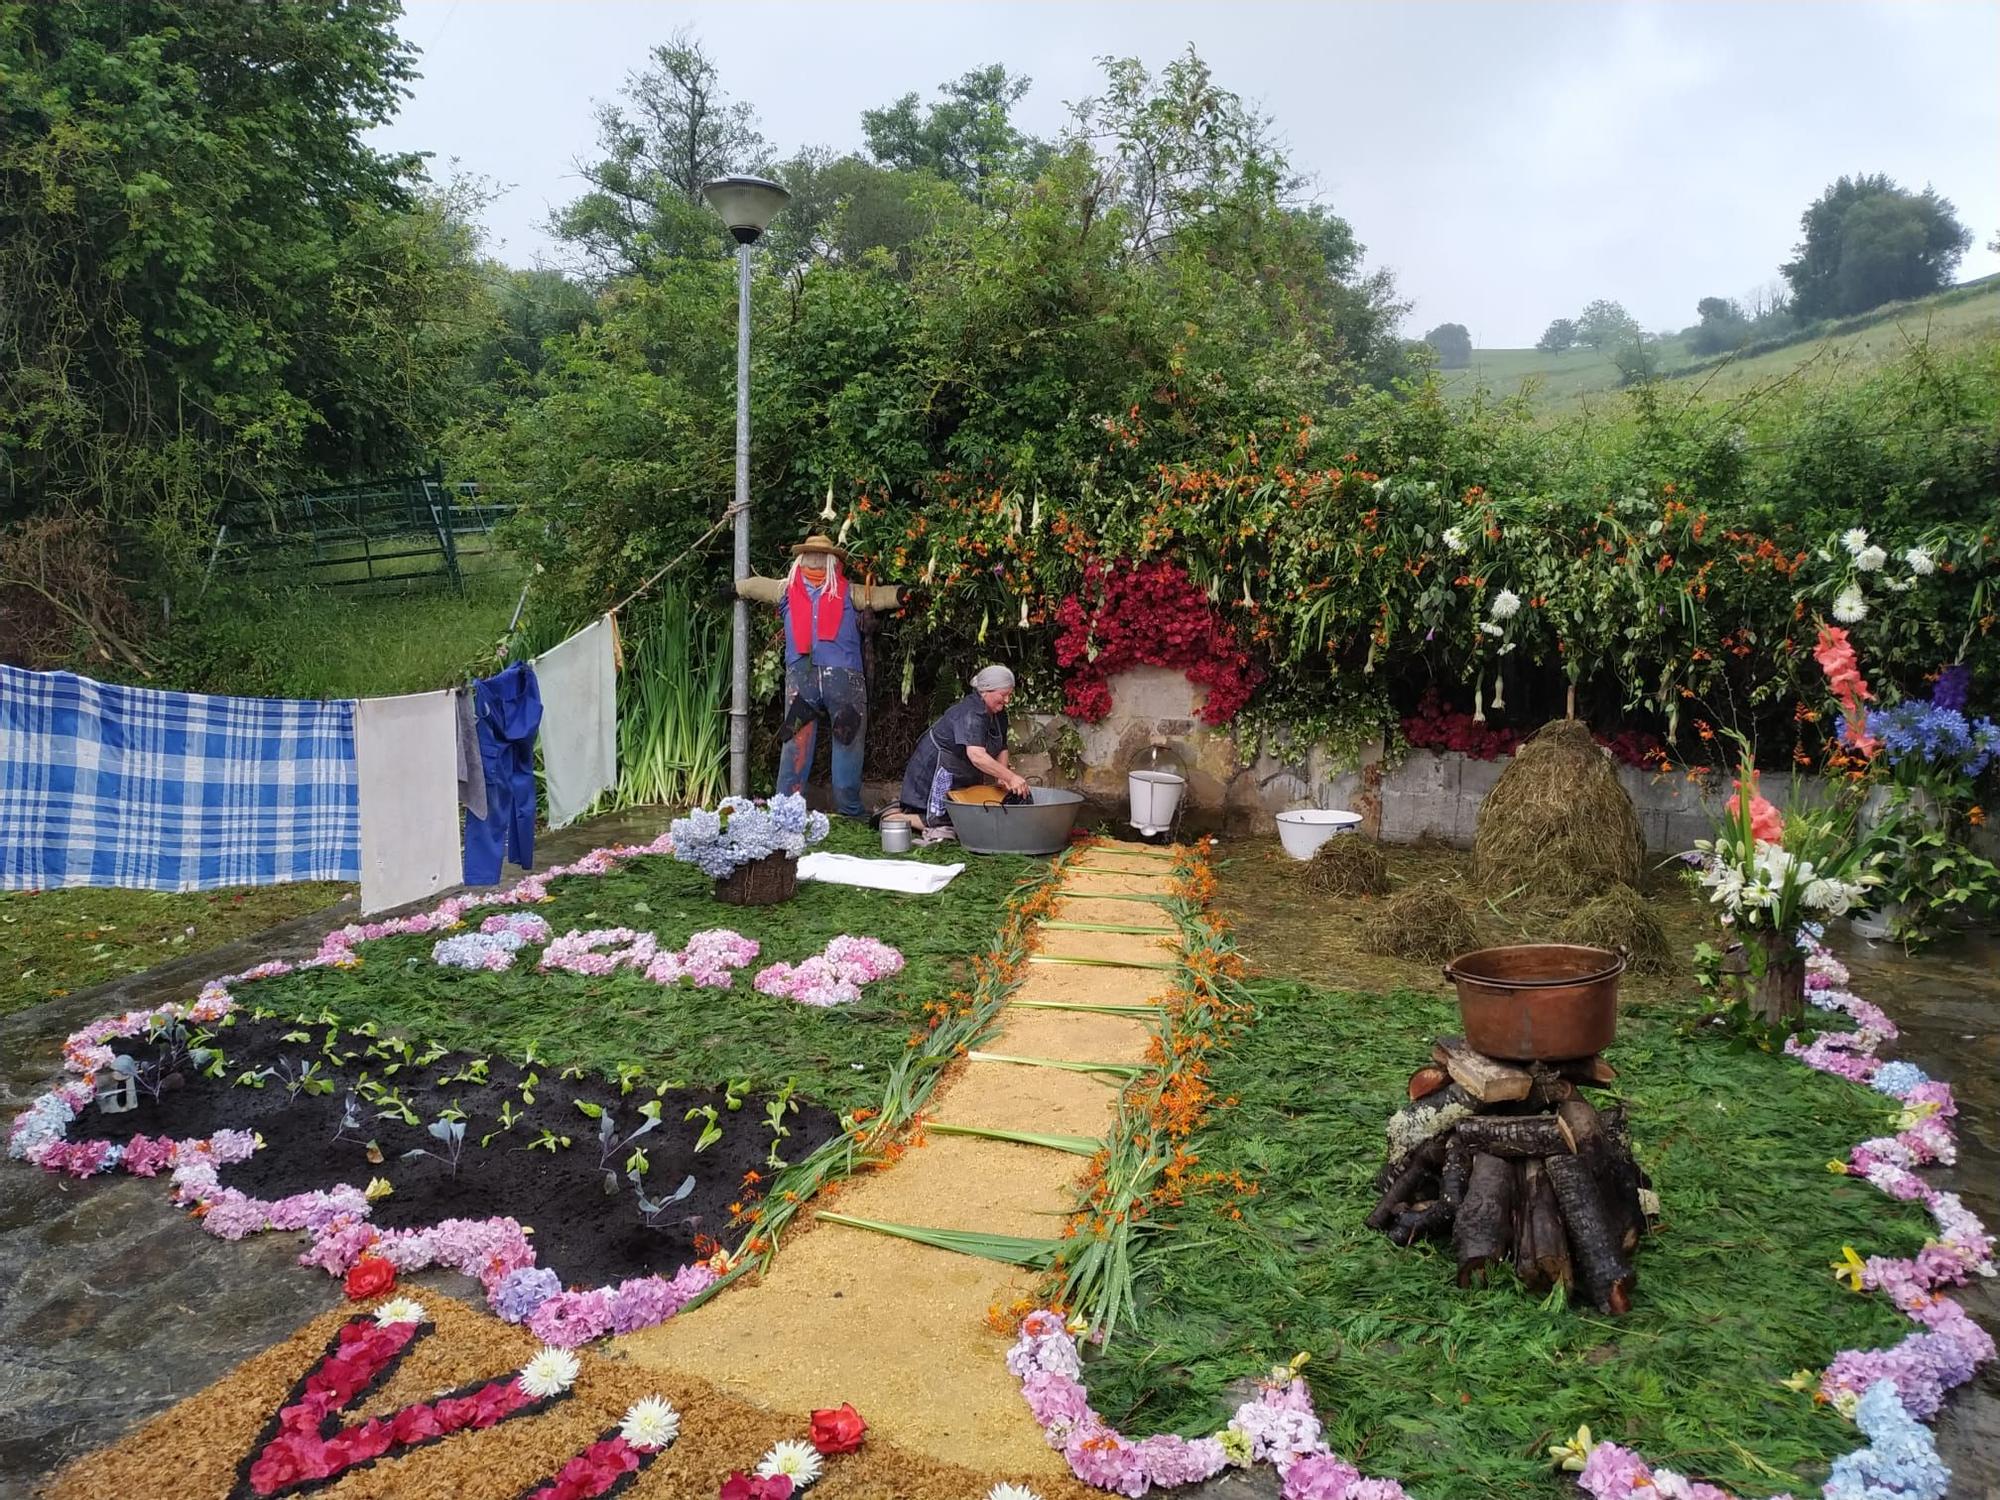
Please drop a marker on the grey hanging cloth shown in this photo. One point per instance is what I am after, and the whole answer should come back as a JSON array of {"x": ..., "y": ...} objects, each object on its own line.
[{"x": 471, "y": 768}]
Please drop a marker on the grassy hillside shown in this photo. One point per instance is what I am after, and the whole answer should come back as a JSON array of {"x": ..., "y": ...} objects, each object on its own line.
[{"x": 1967, "y": 312}]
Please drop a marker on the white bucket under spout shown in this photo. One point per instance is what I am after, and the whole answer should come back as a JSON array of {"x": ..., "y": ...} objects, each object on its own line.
[{"x": 1156, "y": 796}]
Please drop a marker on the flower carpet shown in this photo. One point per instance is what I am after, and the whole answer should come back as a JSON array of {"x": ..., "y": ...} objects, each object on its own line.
[{"x": 972, "y": 1239}]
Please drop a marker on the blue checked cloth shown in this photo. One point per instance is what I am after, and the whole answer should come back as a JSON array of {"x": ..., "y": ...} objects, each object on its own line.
[{"x": 119, "y": 786}]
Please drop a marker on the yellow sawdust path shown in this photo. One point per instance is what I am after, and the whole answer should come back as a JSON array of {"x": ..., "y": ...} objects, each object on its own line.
[{"x": 898, "y": 1328}]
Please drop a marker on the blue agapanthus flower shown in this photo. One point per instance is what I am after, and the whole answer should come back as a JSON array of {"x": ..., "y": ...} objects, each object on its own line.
[{"x": 1923, "y": 733}]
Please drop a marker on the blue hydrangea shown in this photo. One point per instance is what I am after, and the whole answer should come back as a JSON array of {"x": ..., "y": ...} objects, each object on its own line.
[
  {"x": 521, "y": 1292},
  {"x": 740, "y": 831},
  {"x": 1901, "y": 1460},
  {"x": 1897, "y": 1078}
]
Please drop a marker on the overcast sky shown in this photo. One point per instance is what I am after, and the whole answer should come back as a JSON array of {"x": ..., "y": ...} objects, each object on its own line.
[{"x": 1509, "y": 161}]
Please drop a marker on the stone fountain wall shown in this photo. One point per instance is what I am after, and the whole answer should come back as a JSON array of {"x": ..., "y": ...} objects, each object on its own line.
[{"x": 1427, "y": 794}]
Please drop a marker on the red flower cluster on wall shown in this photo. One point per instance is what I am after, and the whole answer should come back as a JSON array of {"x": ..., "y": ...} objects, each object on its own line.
[
  {"x": 1436, "y": 727},
  {"x": 1149, "y": 614}
]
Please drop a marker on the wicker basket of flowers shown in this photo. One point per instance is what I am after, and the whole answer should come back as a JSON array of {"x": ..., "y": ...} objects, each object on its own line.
[{"x": 750, "y": 849}]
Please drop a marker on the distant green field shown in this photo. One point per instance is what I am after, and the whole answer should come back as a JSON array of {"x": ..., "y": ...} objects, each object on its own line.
[{"x": 1562, "y": 380}]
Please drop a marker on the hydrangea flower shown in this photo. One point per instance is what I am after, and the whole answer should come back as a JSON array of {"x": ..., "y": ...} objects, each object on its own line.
[
  {"x": 520, "y": 1292},
  {"x": 740, "y": 832}
]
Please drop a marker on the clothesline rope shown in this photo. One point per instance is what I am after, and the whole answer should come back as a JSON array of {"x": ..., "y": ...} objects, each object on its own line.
[{"x": 728, "y": 515}]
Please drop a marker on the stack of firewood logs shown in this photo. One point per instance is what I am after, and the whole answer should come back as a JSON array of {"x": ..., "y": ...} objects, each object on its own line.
[{"x": 1514, "y": 1164}]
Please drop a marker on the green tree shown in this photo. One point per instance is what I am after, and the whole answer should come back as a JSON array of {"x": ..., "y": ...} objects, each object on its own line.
[
  {"x": 677, "y": 129},
  {"x": 1638, "y": 360},
  {"x": 210, "y": 285},
  {"x": 1868, "y": 241},
  {"x": 1453, "y": 344},
  {"x": 1559, "y": 337},
  {"x": 843, "y": 206},
  {"x": 1606, "y": 325},
  {"x": 1722, "y": 326},
  {"x": 967, "y": 137}
]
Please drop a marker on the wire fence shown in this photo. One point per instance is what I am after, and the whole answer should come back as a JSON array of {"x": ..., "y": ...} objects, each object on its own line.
[{"x": 383, "y": 532}]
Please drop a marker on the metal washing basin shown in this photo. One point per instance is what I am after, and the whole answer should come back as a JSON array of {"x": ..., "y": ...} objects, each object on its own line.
[{"x": 1041, "y": 827}]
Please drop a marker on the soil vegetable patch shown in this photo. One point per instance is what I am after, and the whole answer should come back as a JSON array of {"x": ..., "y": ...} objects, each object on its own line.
[{"x": 588, "y": 1236}]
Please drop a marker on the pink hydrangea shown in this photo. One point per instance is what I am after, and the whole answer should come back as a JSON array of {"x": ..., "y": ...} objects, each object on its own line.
[
  {"x": 1057, "y": 1401},
  {"x": 1320, "y": 1476},
  {"x": 1102, "y": 1457},
  {"x": 572, "y": 1318}
]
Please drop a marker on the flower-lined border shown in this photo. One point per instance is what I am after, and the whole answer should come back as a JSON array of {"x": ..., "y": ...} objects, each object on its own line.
[
  {"x": 495, "y": 1251},
  {"x": 1887, "y": 1392},
  {"x": 1890, "y": 1392}
]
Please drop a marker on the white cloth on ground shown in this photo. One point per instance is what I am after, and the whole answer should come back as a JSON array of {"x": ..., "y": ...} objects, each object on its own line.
[
  {"x": 406, "y": 767},
  {"x": 910, "y": 876},
  {"x": 579, "y": 682}
]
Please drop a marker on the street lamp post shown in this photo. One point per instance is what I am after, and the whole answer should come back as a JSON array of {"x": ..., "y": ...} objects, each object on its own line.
[{"x": 747, "y": 206}]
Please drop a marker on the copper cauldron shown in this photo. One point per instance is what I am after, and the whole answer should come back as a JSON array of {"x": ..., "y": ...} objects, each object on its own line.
[{"x": 1538, "y": 1002}]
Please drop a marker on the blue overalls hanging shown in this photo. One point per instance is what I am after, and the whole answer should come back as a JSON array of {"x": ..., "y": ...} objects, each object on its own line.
[{"x": 509, "y": 709}]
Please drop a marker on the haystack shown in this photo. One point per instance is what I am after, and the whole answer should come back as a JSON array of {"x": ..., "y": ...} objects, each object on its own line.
[
  {"x": 1558, "y": 825},
  {"x": 1425, "y": 922},
  {"x": 1621, "y": 918},
  {"x": 1348, "y": 865}
]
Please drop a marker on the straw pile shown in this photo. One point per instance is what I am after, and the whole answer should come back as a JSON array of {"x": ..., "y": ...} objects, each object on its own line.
[
  {"x": 1621, "y": 918},
  {"x": 1348, "y": 865},
  {"x": 1557, "y": 825},
  {"x": 1425, "y": 922}
]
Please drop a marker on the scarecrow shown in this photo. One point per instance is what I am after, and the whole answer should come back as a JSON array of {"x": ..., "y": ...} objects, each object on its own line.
[{"x": 825, "y": 616}]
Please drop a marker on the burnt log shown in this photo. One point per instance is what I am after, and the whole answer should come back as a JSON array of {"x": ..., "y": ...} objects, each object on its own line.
[
  {"x": 1416, "y": 1122},
  {"x": 1483, "y": 1231},
  {"x": 1516, "y": 1135},
  {"x": 1541, "y": 1244},
  {"x": 1408, "y": 1182},
  {"x": 1436, "y": 1217},
  {"x": 1594, "y": 1071},
  {"x": 1602, "y": 1270}
]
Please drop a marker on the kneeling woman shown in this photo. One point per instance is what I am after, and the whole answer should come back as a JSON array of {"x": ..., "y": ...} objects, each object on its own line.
[{"x": 966, "y": 747}]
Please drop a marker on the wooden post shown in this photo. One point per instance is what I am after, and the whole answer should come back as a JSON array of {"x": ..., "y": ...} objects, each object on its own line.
[{"x": 1779, "y": 993}]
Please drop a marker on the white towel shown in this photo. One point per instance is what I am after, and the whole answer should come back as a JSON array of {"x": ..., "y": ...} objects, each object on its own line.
[
  {"x": 910, "y": 876},
  {"x": 579, "y": 682},
  {"x": 406, "y": 766}
]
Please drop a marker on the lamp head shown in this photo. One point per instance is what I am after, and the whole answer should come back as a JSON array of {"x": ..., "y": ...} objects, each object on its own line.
[{"x": 747, "y": 204}]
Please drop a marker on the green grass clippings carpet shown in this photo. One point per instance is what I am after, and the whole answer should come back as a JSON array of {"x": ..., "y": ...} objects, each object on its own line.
[
  {"x": 839, "y": 1056},
  {"x": 1459, "y": 1393}
]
